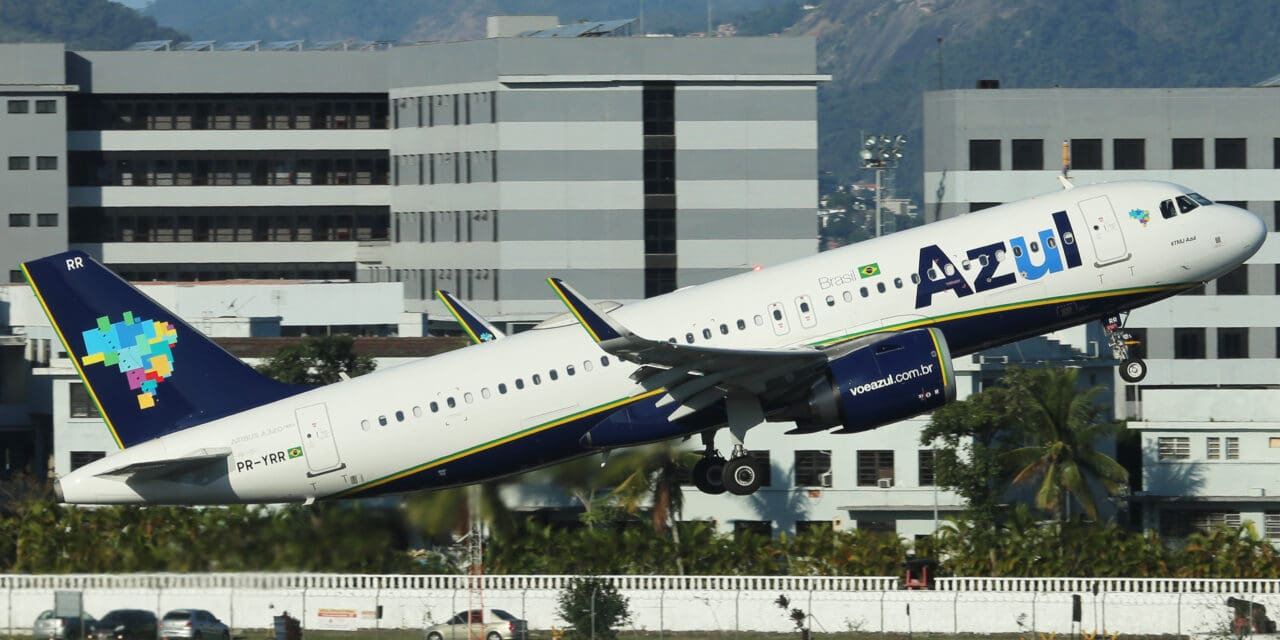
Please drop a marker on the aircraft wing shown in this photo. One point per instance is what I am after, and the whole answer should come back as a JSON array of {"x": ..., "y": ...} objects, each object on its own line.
[
  {"x": 694, "y": 376},
  {"x": 167, "y": 467},
  {"x": 476, "y": 327}
]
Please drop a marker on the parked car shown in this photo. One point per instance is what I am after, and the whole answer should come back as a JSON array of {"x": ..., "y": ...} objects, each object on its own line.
[
  {"x": 126, "y": 624},
  {"x": 195, "y": 624},
  {"x": 61, "y": 628},
  {"x": 490, "y": 624}
]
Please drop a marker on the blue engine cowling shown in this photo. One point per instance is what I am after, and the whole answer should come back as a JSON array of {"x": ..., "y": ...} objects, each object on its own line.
[{"x": 903, "y": 375}]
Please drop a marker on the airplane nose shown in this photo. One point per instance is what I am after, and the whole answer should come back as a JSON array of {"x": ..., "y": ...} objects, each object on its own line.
[{"x": 1253, "y": 231}]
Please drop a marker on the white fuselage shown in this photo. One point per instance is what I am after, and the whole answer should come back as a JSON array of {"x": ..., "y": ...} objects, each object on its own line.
[{"x": 460, "y": 417}]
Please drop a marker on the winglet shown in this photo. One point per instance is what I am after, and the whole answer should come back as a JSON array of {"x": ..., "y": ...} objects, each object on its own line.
[
  {"x": 600, "y": 327},
  {"x": 476, "y": 327}
]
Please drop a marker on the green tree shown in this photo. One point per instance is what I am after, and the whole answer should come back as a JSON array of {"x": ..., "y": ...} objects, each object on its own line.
[
  {"x": 593, "y": 606},
  {"x": 317, "y": 360},
  {"x": 1060, "y": 425}
]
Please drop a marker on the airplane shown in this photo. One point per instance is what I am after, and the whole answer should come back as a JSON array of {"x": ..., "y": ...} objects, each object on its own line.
[{"x": 844, "y": 341}]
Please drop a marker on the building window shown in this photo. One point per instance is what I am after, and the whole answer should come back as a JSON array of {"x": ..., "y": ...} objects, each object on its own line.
[
  {"x": 1188, "y": 153},
  {"x": 927, "y": 459},
  {"x": 1230, "y": 153},
  {"x": 19, "y": 219},
  {"x": 1028, "y": 155},
  {"x": 18, "y": 106},
  {"x": 1233, "y": 342},
  {"x": 807, "y": 527},
  {"x": 15, "y": 277},
  {"x": 1129, "y": 153},
  {"x": 82, "y": 406},
  {"x": 47, "y": 219},
  {"x": 659, "y": 108},
  {"x": 1233, "y": 448},
  {"x": 1271, "y": 524},
  {"x": 46, "y": 163},
  {"x": 46, "y": 106},
  {"x": 813, "y": 468},
  {"x": 1235, "y": 282},
  {"x": 81, "y": 458},
  {"x": 1179, "y": 523},
  {"x": 1139, "y": 337},
  {"x": 746, "y": 528},
  {"x": 1086, "y": 153},
  {"x": 1213, "y": 448},
  {"x": 878, "y": 525},
  {"x": 764, "y": 468},
  {"x": 1173, "y": 448},
  {"x": 984, "y": 155},
  {"x": 979, "y": 206},
  {"x": 1188, "y": 344},
  {"x": 875, "y": 465},
  {"x": 659, "y": 231},
  {"x": 1275, "y": 153},
  {"x": 19, "y": 163}
]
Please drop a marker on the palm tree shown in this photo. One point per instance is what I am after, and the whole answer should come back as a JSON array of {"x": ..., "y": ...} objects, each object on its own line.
[{"x": 1061, "y": 424}]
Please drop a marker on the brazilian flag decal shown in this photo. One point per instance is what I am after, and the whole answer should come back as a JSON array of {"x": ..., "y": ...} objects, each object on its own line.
[
  {"x": 869, "y": 270},
  {"x": 295, "y": 452}
]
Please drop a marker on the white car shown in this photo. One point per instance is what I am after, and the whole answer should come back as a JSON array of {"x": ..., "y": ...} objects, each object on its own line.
[
  {"x": 489, "y": 624},
  {"x": 193, "y": 624}
]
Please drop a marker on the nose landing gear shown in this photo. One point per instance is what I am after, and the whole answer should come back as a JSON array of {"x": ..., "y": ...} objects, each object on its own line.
[{"x": 1132, "y": 370}]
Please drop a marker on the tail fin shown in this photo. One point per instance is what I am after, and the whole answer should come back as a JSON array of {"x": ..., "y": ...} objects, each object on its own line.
[{"x": 149, "y": 372}]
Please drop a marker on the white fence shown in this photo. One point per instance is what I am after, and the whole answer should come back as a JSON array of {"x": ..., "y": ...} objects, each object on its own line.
[{"x": 670, "y": 603}]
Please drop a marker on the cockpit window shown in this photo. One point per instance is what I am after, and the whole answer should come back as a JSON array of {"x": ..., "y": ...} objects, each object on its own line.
[
  {"x": 1200, "y": 199},
  {"x": 1186, "y": 204},
  {"x": 1167, "y": 209}
]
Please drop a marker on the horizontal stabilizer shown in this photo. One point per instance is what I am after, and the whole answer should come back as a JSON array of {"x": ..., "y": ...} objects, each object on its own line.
[
  {"x": 477, "y": 328},
  {"x": 158, "y": 469}
]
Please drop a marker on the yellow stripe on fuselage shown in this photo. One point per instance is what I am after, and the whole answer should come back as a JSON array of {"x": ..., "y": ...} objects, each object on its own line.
[{"x": 72, "y": 356}]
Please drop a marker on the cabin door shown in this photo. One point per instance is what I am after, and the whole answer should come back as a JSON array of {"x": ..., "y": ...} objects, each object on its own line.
[
  {"x": 318, "y": 443},
  {"x": 1108, "y": 239}
]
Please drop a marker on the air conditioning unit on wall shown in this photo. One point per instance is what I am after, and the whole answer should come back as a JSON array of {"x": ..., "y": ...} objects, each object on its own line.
[
  {"x": 885, "y": 483},
  {"x": 825, "y": 479}
]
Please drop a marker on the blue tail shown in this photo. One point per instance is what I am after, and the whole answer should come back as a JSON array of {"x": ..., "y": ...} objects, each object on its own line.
[{"x": 150, "y": 373}]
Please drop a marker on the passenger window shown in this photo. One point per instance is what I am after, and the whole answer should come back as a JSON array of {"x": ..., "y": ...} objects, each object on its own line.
[
  {"x": 706, "y": 334},
  {"x": 604, "y": 361},
  {"x": 999, "y": 255},
  {"x": 435, "y": 408},
  {"x": 897, "y": 282},
  {"x": 451, "y": 402},
  {"x": 933, "y": 274},
  {"x": 950, "y": 269},
  {"x": 364, "y": 424},
  {"x": 672, "y": 340},
  {"x": 804, "y": 307},
  {"x": 831, "y": 301},
  {"x": 537, "y": 379},
  {"x": 965, "y": 264},
  {"x": 1068, "y": 238},
  {"x": 554, "y": 376},
  {"x": 1017, "y": 251},
  {"x": 1186, "y": 204},
  {"x": 864, "y": 292},
  {"x": 519, "y": 383},
  {"x": 742, "y": 324},
  {"x": 399, "y": 416},
  {"x": 915, "y": 278},
  {"x": 502, "y": 388},
  {"x": 1052, "y": 243},
  {"x": 984, "y": 260},
  {"x": 587, "y": 366},
  {"x": 759, "y": 320},
  {"x": 1166, "y": 209},
  {"x": 848, "y": 296},
  {"x": 382, "y": 420},
  {"x": 688, "y": 337},
  {"x": 468, "y": 397},
  {"x": 880, "y": 287},
  {"x": 417, "y": 412},
  {"x": 777, "y": 314},
  {"x": 484, "y": 393},
  {"x": 569, "y": 369},
  {"x": 724, "y": 329}
]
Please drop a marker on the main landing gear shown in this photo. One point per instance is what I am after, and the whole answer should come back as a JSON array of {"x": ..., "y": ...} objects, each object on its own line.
[
  {"x": 737, "y": 475},
  {"x": 1132, "y": 370}
]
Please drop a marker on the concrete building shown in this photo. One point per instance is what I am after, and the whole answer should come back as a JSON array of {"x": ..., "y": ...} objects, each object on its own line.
[{"x": 1208, "y": 451}]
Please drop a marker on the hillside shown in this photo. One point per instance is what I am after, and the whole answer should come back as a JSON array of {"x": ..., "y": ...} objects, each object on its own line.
[{"x": 82, "y": 24}]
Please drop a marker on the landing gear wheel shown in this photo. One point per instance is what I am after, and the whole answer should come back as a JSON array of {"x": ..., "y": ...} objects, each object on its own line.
[
  {"x": 1133, "y": 370},
  {"x": 708, "y": 475},
  {"x": 741, "y": 477}
]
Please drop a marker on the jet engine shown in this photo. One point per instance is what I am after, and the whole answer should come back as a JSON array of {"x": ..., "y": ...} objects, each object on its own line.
[{"x": 894, "y": 378}]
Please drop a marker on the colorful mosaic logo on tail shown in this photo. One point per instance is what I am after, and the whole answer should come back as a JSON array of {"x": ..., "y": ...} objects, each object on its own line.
[{"x": 141, "y": 349}]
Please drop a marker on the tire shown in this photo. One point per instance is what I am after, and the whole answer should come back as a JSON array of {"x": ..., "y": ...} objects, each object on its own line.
[
  {"x": 1133, "y": 370},
  {"x": 493, "y": 635},
  {"x": 708, "y": 475},
  {"x": 741, "y": 478},
  {"x": 434, "y": 635}
]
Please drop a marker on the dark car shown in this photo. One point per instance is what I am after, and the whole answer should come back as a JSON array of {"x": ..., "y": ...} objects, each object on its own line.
[{"x": 126, "y": 624}]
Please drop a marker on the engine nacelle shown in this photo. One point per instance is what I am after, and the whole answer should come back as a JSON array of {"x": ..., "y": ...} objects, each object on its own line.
[{"x": 900, "y": 376}]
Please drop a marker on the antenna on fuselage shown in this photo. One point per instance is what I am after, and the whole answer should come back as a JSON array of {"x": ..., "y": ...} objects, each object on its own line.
[{"x": 1065, "y": 178}]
